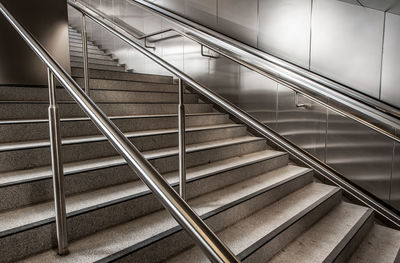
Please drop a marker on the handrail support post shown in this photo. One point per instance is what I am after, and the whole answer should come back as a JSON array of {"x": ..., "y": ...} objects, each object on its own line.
[
  {"x": 57, "y": 168},
  {"x": 182, "y": 143},
  {"x": 85, "y": 55}
]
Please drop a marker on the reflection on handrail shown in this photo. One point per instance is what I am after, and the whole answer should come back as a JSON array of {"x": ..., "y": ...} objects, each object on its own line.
[
  {"x": 328, "y": 172},
  {"x": 215, "y": 250},
  {"x": 305, "y": 83}
]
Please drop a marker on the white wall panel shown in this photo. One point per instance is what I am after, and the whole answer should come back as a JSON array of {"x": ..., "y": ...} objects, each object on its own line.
[
  {"x": 391, "y": 61},
  {"x": 284, "y": 29},
  {"x": 347, "y": 43}
]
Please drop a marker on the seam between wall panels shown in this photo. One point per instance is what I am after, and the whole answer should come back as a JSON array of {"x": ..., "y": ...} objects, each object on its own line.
[
  {"x": 382, "y": 50},
  {"x": 311, "y": 19}
]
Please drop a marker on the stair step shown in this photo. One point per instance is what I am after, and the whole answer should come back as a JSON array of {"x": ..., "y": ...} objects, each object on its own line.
[
  {"x": 14, "y": 110},
  {"x": 120, "y": 68},
  {"x": 380, "y": 245},
  {"x": 37, "y": 129},
  {"x": 109, "y": 84},
  {"x": 96, "y": 61},
  {"x": 122, "y": 76},
  {"x": 79, "y": 41},
  {"x": 328, "y": 238},
  {"x": 72, "y": 44},
  {"x": 90, "y": 51},
  {"x": 255, "y": 237},
  {"x": 94, "y": 173},
  {"x": 217, "y": 207},
  {"x": 25, "y": 155},
  {"x": 8, "y": 93},
  {"x": 91, "y": 55}
]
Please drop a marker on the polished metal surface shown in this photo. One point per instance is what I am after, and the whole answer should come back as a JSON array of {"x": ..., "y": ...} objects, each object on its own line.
[
  {"x": 308, "y": 159},
  {"x": 391, "y": 61},
  {"x": 203, "y": 12},
  {"x": 215, "y": 250},
  {"x": 48, "y": 22},
  {"x": 364, "y": 157},
  {"x": 182, "y": 143},
  {"x": 304, "y": 126},
  {"x": 395, "y": 190},
  {"x": 283, "y": 23},
  {"x": 316, "y": 88},
  {"x": 57, "y": 168},
  {"x": 85, "y": 55},
  {"x": 347, "y": 44},
  {"x": 317, "y": 84},
  {"x": 237, "y": 19}
]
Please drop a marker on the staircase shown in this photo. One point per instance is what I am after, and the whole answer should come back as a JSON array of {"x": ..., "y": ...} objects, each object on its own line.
[{"x": 263, "y": 206}]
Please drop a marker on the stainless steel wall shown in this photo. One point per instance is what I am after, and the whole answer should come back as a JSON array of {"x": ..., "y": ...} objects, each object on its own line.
[
  {"x": 367, "y": 158},
  {"x": 350, "y": 43},
  {"x": 47, "y": 20}
]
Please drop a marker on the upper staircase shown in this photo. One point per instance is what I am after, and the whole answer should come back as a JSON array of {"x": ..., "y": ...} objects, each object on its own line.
[{"x": 261, "y": 204}]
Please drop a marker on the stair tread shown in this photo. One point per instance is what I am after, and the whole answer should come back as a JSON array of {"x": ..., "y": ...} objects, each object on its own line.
[
  {"x": 320, "y": 240},
  {"x": 112, "y": 240},
  {"x": 94, "y": 138},
  {"x": 382, "y": 244},
  {"x": 263, "y": 222},
  {"x": 19, "y": 121},
  {"x": 19, "y": 176}
]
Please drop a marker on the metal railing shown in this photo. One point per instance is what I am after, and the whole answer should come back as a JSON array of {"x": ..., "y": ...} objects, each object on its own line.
[
  {"x": 214, "y": 249},
  {"x": 302, "y": 82},
  {"x": 323, "y": 169}
]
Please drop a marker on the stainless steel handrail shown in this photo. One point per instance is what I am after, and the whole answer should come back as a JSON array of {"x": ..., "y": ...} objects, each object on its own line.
[
  {"x": 215, "y": 250},
  {"x": 295, "y": 78},
  {"x": 320, "y": 167}
]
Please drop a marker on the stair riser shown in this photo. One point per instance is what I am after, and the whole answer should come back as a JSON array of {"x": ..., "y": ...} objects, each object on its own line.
[
  {"x": 90, "y": 51},
  {"x": 345, "y": 254},
  {"x": 96, "y": 56},
  {"x": 38, "y": 131},
  {"x": 292, "y": 231},
  {"x": 40, "y": 191},
  {"x": 41, "y": 94},
  {"x": 128, "y": 85},
  {"x": 99, "y": 66},
  {"x": 79, "y": 41},
  {"x": 82, "y": 225},
  {"x": 167, "y": 246},
  {"x": 121, "y": 76},
  {"x": 36, "y": 157},
  {"x": 96, "y": 61},
  {"x": 16, "y": 111}
]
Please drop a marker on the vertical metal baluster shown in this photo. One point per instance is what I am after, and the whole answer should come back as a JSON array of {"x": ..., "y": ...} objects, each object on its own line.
[
  {"x": 85, "y": 56},
  {"x": 182, "y": 144},
  {"x": 57, "y": 168}
]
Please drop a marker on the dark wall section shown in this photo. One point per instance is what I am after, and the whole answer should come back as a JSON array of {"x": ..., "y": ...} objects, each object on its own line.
[{"x": 47, "y": 20}]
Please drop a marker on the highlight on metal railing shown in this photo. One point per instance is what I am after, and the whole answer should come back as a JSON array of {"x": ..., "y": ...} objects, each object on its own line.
[
  {"x": 214, "y": 249},
  {"x": 323, "y": 169}
]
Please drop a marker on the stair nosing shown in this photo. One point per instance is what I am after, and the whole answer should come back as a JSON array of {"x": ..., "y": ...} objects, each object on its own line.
[
  {"x": 205, "y": 216},
  {"x": 119, "y": 161},
  {"x": 101, "y": 138}
]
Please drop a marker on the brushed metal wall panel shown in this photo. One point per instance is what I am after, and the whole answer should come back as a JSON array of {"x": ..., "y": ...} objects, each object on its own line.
[
  {"x": 239, "y": 19},
  {"x": 360, "y": 154},
  {"x": 284, "y": 29},
  {"x": 381, "y": 5},
  {"x": 203, "y": 12},
  {"x": 195, "y": 65},
  {"x": 395, "y": 191},
  {"x": 258, "y": 96},
  {"x": 390, "y": 90},
  {"x": 306, "y": 127},
  {"x": 177, "y": 6},
  {"x": 224, "y": 78},
  {"x": 347, "y": 44}
]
